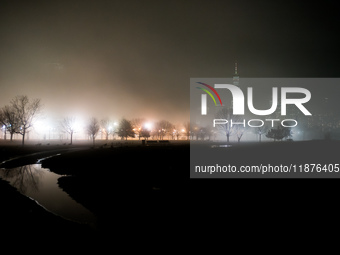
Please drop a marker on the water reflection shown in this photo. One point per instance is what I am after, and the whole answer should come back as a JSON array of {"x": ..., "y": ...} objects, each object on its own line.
[
  {"x": 23, "y": 178},
  {"x": 42, "y": 185}
]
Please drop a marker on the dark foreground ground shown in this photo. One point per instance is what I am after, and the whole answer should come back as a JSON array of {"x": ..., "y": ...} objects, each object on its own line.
[
  {"x": 129, "y": 187},
  {"x": 144, "y": 192}
]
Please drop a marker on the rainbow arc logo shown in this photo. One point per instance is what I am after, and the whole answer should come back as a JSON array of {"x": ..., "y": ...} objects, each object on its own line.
[{"x": 204, "y": 97}]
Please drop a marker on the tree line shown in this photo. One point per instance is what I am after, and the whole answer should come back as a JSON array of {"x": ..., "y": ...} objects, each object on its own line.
[
  {"x": 19, "y": 116},
  {"x": 238, "y": 130},
  {"x": 124, "y": 129}
]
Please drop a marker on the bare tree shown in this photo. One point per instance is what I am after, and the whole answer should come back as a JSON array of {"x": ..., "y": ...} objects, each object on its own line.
[
  {"x": 261, "y": 131},
  {"x": 26, "y": 111},
  {"x": 176, "y": 134},
  {"x": 227, "y": 129},
  {"x": 68, "y": 126},
  {"x": 194, "y": 131},
  {"x": 3, "y": 122},
  {"x": 240, "y": 129},
  {"x": 9, "y": 120},
  {"x": 93, "y": 128},
  {"x": 164, "y": 127},
  {"x": 202, "y": 133},
  {"x": 187, "y": 129},
  {"x": 239, "y": 132},
  {"x": 137, "y": 125},
  {"x": 107, "y": 128}
]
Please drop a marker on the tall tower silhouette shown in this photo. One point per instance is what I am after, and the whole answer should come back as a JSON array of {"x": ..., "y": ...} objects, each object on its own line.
[{"x": 236, "y": 77}]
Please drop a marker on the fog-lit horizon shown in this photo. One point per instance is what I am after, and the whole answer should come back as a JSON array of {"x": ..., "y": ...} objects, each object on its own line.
[{"x": 134, "y": 59}]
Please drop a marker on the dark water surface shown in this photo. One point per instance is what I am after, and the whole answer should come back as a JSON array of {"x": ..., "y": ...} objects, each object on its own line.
[{"x": 41, "y": 185}]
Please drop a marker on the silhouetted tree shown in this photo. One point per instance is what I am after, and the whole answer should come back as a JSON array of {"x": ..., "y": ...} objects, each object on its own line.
[
  {"x": 125, "y": 129},
  {"x": 107, "y": 128},
  {"x": 26, "y": 111},
  {"x": 279, "y": 133},
  {"x": 3, "y": 123},
  {"x": 137, "y": 125},
  {"x": 260, "y": 131},
  {"x": 144, "y": 133},
  {"x": 202, "y": 133},
  {"x": 93, "y": 128},
  {"x": 177, "y": 132},
  {"x": 68, "y": 125},
  {"x": 9, "y": 120},
  {"x": 187, "y": 129},
  {"x": 164, "y": 127},
  {"x": 240, "y": 129},
  {"x": 226, "y": 129}
]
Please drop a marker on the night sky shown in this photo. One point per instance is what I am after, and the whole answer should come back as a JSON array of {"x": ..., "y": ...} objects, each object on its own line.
[{"x": 135, "y": 58}]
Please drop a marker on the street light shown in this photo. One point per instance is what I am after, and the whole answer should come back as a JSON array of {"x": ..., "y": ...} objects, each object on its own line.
[{"x": 148, "y": 126}]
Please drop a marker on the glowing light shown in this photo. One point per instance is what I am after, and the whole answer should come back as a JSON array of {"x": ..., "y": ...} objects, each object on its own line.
[
  {"x": 148, "y": 126},
  {"x": 40, "y": 126},
  {"x": 77, "y": 125}
]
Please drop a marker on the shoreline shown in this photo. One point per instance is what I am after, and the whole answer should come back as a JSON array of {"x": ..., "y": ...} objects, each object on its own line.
[
  {"x": 22, "y": 212},
  {"x": 76, "y": 153}
]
